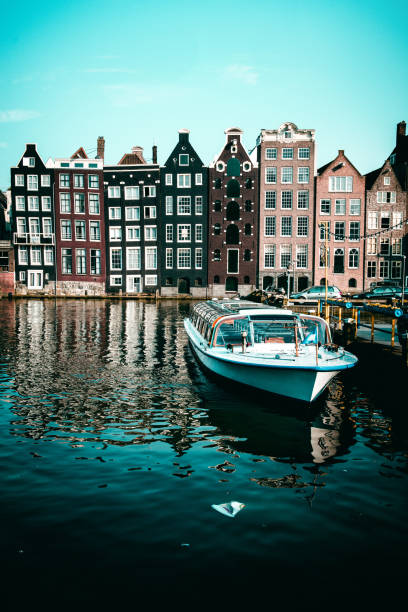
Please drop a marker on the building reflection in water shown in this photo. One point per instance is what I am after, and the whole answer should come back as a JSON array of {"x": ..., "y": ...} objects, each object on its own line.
[{"x": 121, "y": 373}]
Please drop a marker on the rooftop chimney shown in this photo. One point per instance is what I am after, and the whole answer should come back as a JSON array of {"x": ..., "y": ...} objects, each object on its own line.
[
  {"x": 100, "y": 147},
  {"x": 183, "y": 135},
  {"x": 401, "y": 129},
  {"x": 154, "y": 154},
  {"x": 341, "y": 151}
]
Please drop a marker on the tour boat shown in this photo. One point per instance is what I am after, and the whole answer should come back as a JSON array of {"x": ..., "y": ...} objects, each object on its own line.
[{"x": 272, "y": 349}]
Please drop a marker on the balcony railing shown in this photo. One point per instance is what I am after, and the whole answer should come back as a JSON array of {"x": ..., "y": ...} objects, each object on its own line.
[{"x": 33, "y": 238}]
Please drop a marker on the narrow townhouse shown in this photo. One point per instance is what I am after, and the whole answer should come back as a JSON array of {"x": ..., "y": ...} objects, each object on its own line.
[
  {"x": 32, "y": 224},
  {"x": 233, "y": 219},
  {"x": 184, "y": 221},
  {"x": 340, "y": 211},
  {"x": 80, "y": 225},
  {"x": 132, "y": 192},
  {"x": 286, "y": 158}
]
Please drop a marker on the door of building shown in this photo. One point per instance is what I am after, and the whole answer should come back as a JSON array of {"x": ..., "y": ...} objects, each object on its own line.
[
  {"x": 133, "y": 284},
  {"x": 35, "y": 279}
]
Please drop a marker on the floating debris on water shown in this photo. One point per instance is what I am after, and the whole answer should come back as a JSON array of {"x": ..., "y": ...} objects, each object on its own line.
[{"x": 229, "y": 509}]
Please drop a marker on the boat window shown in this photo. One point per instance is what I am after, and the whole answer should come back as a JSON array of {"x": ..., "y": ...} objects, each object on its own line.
[
  {"x": 280, "y": 330},
  {"x": 230, "y": 331},
  {"x": 309, "y": 327}
]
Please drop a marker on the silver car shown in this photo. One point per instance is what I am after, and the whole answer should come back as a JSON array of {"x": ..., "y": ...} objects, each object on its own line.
[{"x": 317, "y": 292}]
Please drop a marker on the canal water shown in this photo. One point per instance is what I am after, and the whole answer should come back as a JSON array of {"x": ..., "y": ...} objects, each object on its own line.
[{"x": 115, "y": 444}]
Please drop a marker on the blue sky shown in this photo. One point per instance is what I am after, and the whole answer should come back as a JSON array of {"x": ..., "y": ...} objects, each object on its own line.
[{"x": 135, "y": 72}]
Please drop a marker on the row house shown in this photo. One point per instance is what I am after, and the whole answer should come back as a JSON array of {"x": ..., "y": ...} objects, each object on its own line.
[
  {"x": 233, "y": 219},
  {"x": 339, "y": 225},
  {"x": 184, "y": 221},
  {"x": 131, "y": 217},
  {"x": 32, "y": 223},
  {"x": 286, "y": 159},
  {"x": 80, "y": 225}
]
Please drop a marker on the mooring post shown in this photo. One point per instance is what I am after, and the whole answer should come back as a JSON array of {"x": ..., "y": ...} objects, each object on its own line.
[
  {"x": 392, "y": 333},
  {"x": 372, "y": 327}
]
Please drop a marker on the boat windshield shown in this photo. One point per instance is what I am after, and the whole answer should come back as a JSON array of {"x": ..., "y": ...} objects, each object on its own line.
[
  {"x": 229, "y": 331},
  {"x": 314, "y": 329},
  {"x": 278, "y": 329}
]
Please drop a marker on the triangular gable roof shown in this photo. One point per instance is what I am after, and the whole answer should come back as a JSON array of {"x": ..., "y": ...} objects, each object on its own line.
[
  {"x": 371, "y": 177},
  {"x": 29, "y": 144},
  {"x": 131, "y": 159},
  {"x": 324, "y": 168},
  {"x": 178, "y": 146},
  {"x": 79, "y": 154}
]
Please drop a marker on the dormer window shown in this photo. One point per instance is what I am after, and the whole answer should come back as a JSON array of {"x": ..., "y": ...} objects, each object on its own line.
[
  {"x": 287, "y": 134},
  {"x": 184, "y": 159}
]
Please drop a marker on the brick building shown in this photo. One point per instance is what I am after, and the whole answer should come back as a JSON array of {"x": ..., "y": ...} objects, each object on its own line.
[
  {"x": 233, "y": 219},
  {"x": 132, "y": 189},
  {"x": 286, "y": 159},
  {"x": 79, "y": 225},
  {"x": 184, "y": 221},
  {"x": 340, "y": 206},
  {"x": 32, "y": 223}
]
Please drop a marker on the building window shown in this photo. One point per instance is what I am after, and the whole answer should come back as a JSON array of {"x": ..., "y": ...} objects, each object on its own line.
[
  {"x": 270, "y": 199},
  {"x": 19, "y": 180},
  {"x": 355, "y": 207},
  {"x": 285, "y": 255},
  {"x": 93, "y": 181},
  {"x": 169, "y": 233},
  {"x": 94, "y": 230},
  {"x": 341, "y": 183},
  {"x": 395, "y": 269},
  {"x": 132, "y": 213},
  {"x": 114, "y": 192},
  {"x": 184, "y": 205},
  {"x": 233, "y": 189},
  {"x": 340, "y": 207},
  {"x": 371, "y": 246},
  {"x": 287, "y": 174},
  {"x": 271, "y": 153},
  {"x": 23, "y": 255},
  {"x": 65, "y": 202},
  {"x": 199, "y": 179},
  {"x": 217, "y": 229},
  {"x": 79, "y": 199},
  {"x": 217, "y": 182},
  {"x": 151, "y": 258},
  {"x": 199, "y": 258},
  {"x": 232, "y": 262},
  {"x": 384, "y": 269},
  {"x": 22, "y": 275},
  {"x": 304, "y": 153},
  {"x": 184, "y": 233},
  {"x": 270, "y": 226},
  {"x": 217, "y": 255},
  {"x": 78, "y": 181},
  {"x": 66, "y": 261},
  {"x": 385, "y": 220},
  {"x": 325, "y": 207},
  {"x": 198, "y": 232},
  {"x": 199, "y": 205},
  {"x": 20, "y": 203},
  {"x": 387, "y": 180},
  {"x": 303, "y": 199},
  {"x": 384, "y": 246},
  {"x": 287, "y": 153},
  {"x": 33, "y": 203},
  {"x": 396, "y": 246},
  {"x": 372, "y": 220},
  {"x": 149, "y": 212},
  {"x": 183, "y": 259},
  {"x": 45, "y": 180},
  {"x": 371, "y": 269},
  {"x": 169, "y": 259},
  {"x": 397, "y": 220},
  {"x": 115, "y": 233},
  {"x": 46, "y": 203},
  {"x": 303, "y": 174},
  {"x": 168, "y": 179},
  {"x": 133, "y": 258},
  {"x": 339, "y": 231},
  {"x": 269, "y": 255},
  {"x": 132, "y": 232},
  {"x": 355, "y": 230},
  {"x": 217, "y": 206},
  {"x": 114, "y": 212},
  {"x": 233, "y": 211},
  {"x": 287, "y": 134},
  {"x": 248, "y": 229},
  {"x": 151, "y": 280},
  {"x": 248, "y": 205},
  {"x": 66, "y": 229},
  {"x": 116, "y": 258},
  {"x": 115, "y": 281},
  {"x": 270, "y": 175},
  {"x": 324, "y": 257},
  {"x": 286, "y": 199},
  {"x": 80, "y": 232},
  {"x": 21, "y": 226},
  {"x": 353, "y": 258},
  {"x": 94, "y": 207},
  {"x": 64, "y": 180},
  {"x": 132, "y": 193},
  {"x": 169, "y": 205},
  {"x": 32, "y": 184},
  {"x": 184, "y": 181},
  {"x": 216, "y": 279},
  {"x": 338, "y": 261},
  {"x": 286, "y": 226},
  {"x": 80, "y": 260},
  {"x": 184, "y": 159},
  {"x": 386, "y": 197},
  {"x": 301, "y": 256},
  {"x": 302, "y": 226},
  {"x": 47, "y": 227},
  {"x": 150, "y": 232},
  {"x": 149, "y": 191},
  {"x": 95, "y": 261}
]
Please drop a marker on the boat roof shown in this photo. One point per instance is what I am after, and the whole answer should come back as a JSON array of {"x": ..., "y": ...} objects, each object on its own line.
[{"x": 213, "y": 310}]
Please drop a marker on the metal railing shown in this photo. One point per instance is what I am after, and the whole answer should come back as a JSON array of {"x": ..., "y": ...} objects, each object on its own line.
[{"x": 33, "y": 238}]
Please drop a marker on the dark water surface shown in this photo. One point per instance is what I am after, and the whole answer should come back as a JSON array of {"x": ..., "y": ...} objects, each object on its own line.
[{"x": 114, "y": 444}]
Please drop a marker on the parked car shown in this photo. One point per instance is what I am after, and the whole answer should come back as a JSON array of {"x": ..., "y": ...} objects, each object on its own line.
[
  {"x": 380, "y": 293},
  {"x": 317, "y": 292}
]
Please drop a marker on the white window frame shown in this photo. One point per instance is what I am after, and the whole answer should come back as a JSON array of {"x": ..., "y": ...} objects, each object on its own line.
[
  {"x": 147, "y": 255},
  {"x": 271, "y": 153},
  {"x": 169, "y": 205},
  {"x": 198, "y": 258},
  {"x": 115, "y": 230},
  {"x": 111, "y": 251},
  {"x": 32, "y": 185},
  {"x": 150, "y": 229},
  {"x": 114, "y": 191},
  {"x": 134, "y": 216},
  {"x": 19, "y": 180},
  {"x": 45, "y": 180},
  {"x": 168, "y": 179},
  {"x": 138, "y": 251},
  {"x": 184, "y": 181},
  {"x": 169, "y": 259},
  {"x": 149, "y": 191},
  {"x": 129, "y": 193},
  {"x": 199, "y": 178},
  {"x": 134, "y": 228},
  {"x": 183, "y": 227},
  {"x": 268, "y": 169}
]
